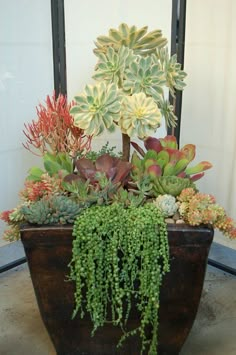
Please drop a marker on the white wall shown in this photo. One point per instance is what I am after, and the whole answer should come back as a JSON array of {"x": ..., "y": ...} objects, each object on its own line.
[
  {"x": 26, "y": 77},
  {"x": 86, "y": 20},
  {"x": 209, "y": 105}
]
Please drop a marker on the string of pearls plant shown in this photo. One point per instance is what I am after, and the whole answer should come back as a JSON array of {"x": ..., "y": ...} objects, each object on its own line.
[{"x": 120, "y": 255}]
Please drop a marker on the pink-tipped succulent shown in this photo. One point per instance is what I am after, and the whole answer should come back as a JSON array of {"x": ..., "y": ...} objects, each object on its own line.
[
  {"x": 166, "y": 165},
  {"x": 171, "y": 160}
]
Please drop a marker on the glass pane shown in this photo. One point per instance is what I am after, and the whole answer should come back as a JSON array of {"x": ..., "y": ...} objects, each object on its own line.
[
  {"x": 26, "y": 77},
  {"x": 209, "y": 111}
]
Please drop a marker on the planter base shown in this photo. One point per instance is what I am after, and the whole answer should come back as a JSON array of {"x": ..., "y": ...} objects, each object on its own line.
[{"x": 48, "y": 251}]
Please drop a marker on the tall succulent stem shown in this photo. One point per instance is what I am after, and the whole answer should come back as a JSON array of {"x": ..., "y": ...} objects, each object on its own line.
[{"x": 125, "y": 147}]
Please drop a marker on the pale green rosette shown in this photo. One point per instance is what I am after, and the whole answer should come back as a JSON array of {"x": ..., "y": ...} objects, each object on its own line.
[
  {"x": 97, "y": 108},
  {"x": 140, "y": 116},
  {"x": 173, "y": 73},
  {"x": 111, "y": 65},
  {"x": 139, "y": 39},
  {"x": 145, "y": 76}
]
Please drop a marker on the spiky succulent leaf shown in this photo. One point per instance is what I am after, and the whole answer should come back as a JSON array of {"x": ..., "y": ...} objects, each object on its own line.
[
  {"x": 168, "y": 113},
  {"x": 97, "y": 108},
  {"x": 141, "y": 116},
  {"x": 140, "y": 40}
]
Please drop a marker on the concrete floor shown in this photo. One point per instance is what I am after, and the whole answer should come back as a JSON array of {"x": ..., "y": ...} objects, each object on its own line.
[{"x": 22, "y": 331}]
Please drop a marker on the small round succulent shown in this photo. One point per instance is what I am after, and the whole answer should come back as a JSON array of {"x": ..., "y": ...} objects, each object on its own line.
[
  {"x": 167, "y": 204},
  {"x": 140, "y": 116},
  {"x": 97, "y": 108}
]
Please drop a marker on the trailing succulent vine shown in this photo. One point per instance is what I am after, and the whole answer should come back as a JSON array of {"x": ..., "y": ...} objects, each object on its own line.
[{"x": 120, "y": 255}]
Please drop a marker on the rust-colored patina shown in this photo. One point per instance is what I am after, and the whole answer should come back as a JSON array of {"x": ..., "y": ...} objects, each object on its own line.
[{"x": 48, "y": 251}]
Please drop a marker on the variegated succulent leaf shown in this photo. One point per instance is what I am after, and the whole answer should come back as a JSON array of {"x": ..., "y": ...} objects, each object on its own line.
[
  {"x": 140, "y": 116},
  {"x": 143, "y": 75},
  {"x": 112, "y": 64},
  {"x": 167, "y": 111},
  {"x": 174, "y": 75},
  {"x": 140, "y": 40},
  {"x": 97, "y": 108}
]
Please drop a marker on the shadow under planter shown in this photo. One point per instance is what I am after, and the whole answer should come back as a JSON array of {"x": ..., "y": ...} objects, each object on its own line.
[{"x": 49, "y": 249}]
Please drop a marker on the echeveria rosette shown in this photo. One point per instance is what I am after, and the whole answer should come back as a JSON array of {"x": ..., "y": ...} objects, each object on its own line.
[
  {"x": 170, "y": 185},
  {"x": 112, "y": 64},
  {"x": 174, "y": 75},
  {"x": 144, "y": 75},
  {"x": 167, "y": 204},
  {"x": 97, "y": 108},
  {"x": 140, "y": 40},
  {"x": 140, "y": 116}
]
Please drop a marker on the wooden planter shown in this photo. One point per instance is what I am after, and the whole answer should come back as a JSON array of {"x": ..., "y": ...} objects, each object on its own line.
[{"x": 48, "y": 251}]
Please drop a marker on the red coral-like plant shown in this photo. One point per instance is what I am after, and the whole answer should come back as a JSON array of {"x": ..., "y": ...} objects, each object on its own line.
[{"x": 54, "y": 130}]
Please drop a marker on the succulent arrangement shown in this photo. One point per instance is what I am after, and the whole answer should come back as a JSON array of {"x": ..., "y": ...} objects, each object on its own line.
[
  {"x": 118, "y": 206},
  {"x": 166, "y": 166}
]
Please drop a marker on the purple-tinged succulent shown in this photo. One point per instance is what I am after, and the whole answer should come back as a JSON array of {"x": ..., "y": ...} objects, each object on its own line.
[{"x": 114, "y": 169}]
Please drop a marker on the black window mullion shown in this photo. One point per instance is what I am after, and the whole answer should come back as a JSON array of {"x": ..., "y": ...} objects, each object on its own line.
[{"x": 58, "y": 41}]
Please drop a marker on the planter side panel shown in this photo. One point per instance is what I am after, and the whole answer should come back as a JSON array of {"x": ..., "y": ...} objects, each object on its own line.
[{"x": 48, "y": 252}]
